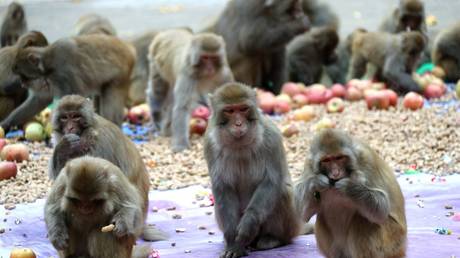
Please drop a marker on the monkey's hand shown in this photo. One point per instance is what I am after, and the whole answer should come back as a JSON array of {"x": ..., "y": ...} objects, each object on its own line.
[
  {"x": 59, "y": 238},
  {"x": 319, "y": 183},
  {"x": 234, "y": 252},
  {"x": 122, "y": 227},
  {"x": 344, "y": 185}
]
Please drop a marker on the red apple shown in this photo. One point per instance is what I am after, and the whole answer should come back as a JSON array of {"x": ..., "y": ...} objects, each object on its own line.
[
  {"x": 360, "y": 84},
  {"x": 201, "y": 112},
  {"x": 7, "y": 169},
  {"x": 328, "y": 95},
  {"x": 267, "y": 102},
  {"x": 392, "y": 96},
  {"x": 378, "y": 86},
  {"x": 290, "y": 130},
  {"x": 2, "y": 144},
  {"x": 438, "y": 72},
  {"x": 335, "y": 105},
  {"x": 378, "y": 100},
  {"x": 306, "y": 113},
  {"x": 324, "y": 124},
  {"x": 413, "y": 101},
  {"x": 299, "y": 100},
  {"x": 138, "y": 115},
  {"x": 198, "y": 126},
  {"x": 284, "y": 98},
  {"x": 433, "y": 91},
  {"x": 15, "y": 152},
  {"x": 338, "y": 90},
  {"x": 353, "y": 94},
  {"x": 281, "y": 107},
  {"x": 291, "y": 89},
  {"x": 317, "y": 94}
]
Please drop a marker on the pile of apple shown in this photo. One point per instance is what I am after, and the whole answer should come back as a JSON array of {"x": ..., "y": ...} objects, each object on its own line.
[
  {"x": 9, "y": 154},
  {"x": 138, "y": 114},
  {"x": 199, "y": 121}
]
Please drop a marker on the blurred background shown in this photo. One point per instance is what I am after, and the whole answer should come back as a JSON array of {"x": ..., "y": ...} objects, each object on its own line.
[{"x": 131, "y": 17}]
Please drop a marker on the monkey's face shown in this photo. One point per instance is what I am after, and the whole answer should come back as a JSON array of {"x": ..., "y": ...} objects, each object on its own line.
[
  {"x": 71, "y": 122},
  {"x": 29, "y": 67},
  {"x": 411, "y": 22},
  {"x": 335, "y": 167},
  {"x": 85, "y": 205},
  {"x": 208, "y": 65},
  {"x": 284, "y": 10},
  {"x": 237, "y": 122}
]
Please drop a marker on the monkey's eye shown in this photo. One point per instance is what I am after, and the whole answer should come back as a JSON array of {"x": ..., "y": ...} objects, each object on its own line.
[
  {"x": 73, "y": 200},
  {"x": 244, "y": 109},
  {"x": 228, "y": 111}
]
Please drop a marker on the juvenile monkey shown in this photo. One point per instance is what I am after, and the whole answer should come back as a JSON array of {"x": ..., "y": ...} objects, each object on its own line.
[
  {"x": 251, "y": 184},
  {"x": 11, "y": 92},
  {"x": 356, "y": 197},
  {"x": 256, "y": 33},
  {"x": 90, "y": 65},
  {"x": 446, "y": 52},
  {"x": 88, "y": 194},
  {"x": 14, "y": 24},
  {"x": 94, "y": 24},
  {"x": 79, "y": 131},
  {"x": 308, "y": 53},
  {"x": 394, "y": 56},
  {"x": 183, "y": 67},
  {"x": 408, "y": 16}
]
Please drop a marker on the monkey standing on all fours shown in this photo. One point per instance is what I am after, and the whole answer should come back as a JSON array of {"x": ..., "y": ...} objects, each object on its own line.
[
  {"x": 94, "y": 211},
  {"x": 256, "y": 33},
  {"x": 91, "y": 65},
  {"x": 250, "y": 180},
  {"x": 12, "y": 95},
  {"x": 78, "y": 131},
  {"x": 357, "y": 200},
  {"x": 183, "y": 67},
  {"x": 14, "y": 25}
]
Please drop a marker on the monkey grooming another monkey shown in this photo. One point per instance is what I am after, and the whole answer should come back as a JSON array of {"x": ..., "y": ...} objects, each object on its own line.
[
  {"x": 446, "y": 52},
  {"x": 14, "y": 25},
  {"x": 256, "y": 33},
  {"x": 88, "y": 194},
  {"x": 90, "y": 65},
  {"x": 394, "y": 56},
  {"x": 183, "y": 67},
  {"x": 356, "y": 197},
  {"x": 94, "y": 24},
  {"x": 251, "y": 184},
  {"x": 308, "y": 53},
  {"x": 12, "y": 94},
  {"x": 78, "y": 131}
]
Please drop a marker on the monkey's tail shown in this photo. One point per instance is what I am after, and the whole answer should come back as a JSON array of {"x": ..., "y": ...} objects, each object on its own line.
[
  {"x": 142, "y": 251},
  {"x": 307, "y": 229},
  {"x": 151, "y": 233}
]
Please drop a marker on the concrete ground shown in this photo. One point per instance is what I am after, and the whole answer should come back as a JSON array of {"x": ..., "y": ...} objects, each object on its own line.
[{"x": 131, "y": 17}]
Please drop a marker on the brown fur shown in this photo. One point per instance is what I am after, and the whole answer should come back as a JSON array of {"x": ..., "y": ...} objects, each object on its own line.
[
  {"x": 97, "y": 139},
  {"x": 250, "y": 179},
  {"x": 403, "y": 15},
  {"x": 178, "y": 78},
  {"x": 74, "y": 234},
  {"x": 14, "y": 24},
  {"x": 94, "y": 24},
  {"x": 446, "y": 53},
  {"x": 372, "y": 221}
]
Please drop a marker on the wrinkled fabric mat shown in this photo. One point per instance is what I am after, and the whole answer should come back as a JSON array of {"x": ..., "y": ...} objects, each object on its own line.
[{"x": 426, "y": 200}]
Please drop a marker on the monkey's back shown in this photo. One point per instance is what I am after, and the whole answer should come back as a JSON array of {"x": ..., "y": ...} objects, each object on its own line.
[{"x": 168, "y": 49}]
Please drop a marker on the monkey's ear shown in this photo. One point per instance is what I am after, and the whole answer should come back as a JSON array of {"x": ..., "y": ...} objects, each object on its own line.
[
  {"x": 269, "y": 3},
  {"x": 35, "y": 60}
]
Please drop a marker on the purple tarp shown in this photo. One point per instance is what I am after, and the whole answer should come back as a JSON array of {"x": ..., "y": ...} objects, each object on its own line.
[{"x": 425, "y": 208}]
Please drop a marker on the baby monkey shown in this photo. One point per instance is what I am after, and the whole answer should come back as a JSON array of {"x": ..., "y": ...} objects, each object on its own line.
[{"x": 355, "y": 195}]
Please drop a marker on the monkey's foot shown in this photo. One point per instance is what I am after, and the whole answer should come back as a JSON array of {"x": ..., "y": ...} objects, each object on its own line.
[
  {"x": 233, "y": 252},
  {"x": 267, "y": 242}
]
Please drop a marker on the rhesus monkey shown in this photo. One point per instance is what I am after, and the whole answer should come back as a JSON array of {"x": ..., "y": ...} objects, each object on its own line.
[
  {"x": 256, "y": 33},
  {"x": 140, "y": 74},
  {"x": 446, "y": 52},
  {"x": 14, "y": 25},
  {"x": 11, "y": 92},
  {"x": 183, "y": 67},
  {"x": 308, "y": 53},
  {"x": 90, "y": 65},
  {"x": 320, "y": 14},
  {"x": 251, "y": 184},
  {"x": 356, "y": 197},
  {"x": 78, "y": 131},
  {"x": 394, "y": 56},
  {"x": 408, "y": 16},
  {"x": 89, "y": 194},
  {"x": 94, "y": 24}
]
